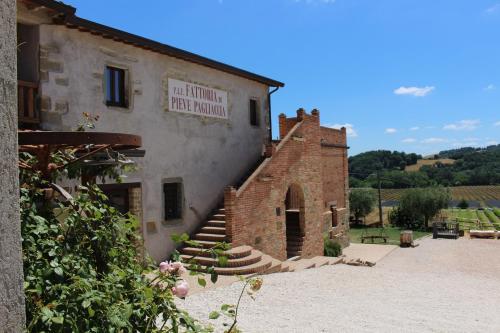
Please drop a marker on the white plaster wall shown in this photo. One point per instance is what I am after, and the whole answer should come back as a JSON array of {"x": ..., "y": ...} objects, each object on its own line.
[{"x": 207, "y": 153}]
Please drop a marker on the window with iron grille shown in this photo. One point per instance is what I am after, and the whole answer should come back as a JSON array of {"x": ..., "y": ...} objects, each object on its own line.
[
  {"x": 254, "y": 115},
  {"x": 116, "y": 94},
  {"x": 172, "y": 194}
]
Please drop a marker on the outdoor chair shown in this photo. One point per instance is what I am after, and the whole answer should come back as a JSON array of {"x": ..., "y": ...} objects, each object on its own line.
[{"x": 445, "y": 230}]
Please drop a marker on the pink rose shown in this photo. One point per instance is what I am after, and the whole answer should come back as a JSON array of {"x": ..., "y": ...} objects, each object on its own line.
[
  {"x": 165, "y": 267},
  {"x": 181, "y": 289},
  {"x": 177, "y": 267}
]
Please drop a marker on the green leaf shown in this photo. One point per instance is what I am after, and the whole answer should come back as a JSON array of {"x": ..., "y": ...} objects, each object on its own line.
[
  {"x": 202, "y": 282},
  {"x": 91, "y": 312},
  {"x": 58, "y": 320},
  {"x": 214, "y": 315},
  {"x": 59, "y": 271},
  {"x": 214, "y": 277},
  {"x": 148, "y": 293},
  {"x": 223, "y": 260},
  {"x": 86, "y": 303},
  {"x": 225, "y": 307}
]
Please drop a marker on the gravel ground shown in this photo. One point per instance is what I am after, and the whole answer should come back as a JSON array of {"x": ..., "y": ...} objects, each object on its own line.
[{"x": 440, "y": 286}]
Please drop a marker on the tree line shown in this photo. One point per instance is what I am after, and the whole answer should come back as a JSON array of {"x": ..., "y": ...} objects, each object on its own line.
[{"x": 472, "y": 166}]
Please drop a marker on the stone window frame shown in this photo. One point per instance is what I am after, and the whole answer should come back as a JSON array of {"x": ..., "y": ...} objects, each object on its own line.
[
  {"x": 173, "y": 180},
  {"x": 257, "y": 111},
  {"x": 127, "y": 89}
]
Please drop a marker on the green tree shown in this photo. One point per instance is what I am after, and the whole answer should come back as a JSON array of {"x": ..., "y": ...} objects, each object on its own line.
[
  {"x": 463, "y": 204},
  {"x": 418, "y": 206},
  {"x": 362, "y": 202}
]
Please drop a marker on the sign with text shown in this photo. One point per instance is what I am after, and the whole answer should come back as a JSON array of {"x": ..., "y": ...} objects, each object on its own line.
[{"x": 194, "y": 99}]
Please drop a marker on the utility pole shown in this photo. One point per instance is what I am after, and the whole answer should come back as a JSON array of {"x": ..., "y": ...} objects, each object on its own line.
[{"x": 380, "y": 200}]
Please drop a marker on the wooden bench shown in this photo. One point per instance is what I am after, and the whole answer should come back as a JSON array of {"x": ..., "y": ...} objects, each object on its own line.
[
  {"x": 381, "y": 235},
  {"x": 445, "y": 230}
]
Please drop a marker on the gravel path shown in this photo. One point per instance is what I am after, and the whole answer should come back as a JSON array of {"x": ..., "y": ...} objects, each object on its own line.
[{"x": 440, "y": 286}]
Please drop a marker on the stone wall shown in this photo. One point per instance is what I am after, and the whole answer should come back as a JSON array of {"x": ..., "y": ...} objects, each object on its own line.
[
  {"x": 11, "y": 274},
  {"x": 205, "y": 154}
]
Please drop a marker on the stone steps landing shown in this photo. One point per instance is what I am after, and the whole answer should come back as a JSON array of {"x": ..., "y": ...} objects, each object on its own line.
[
  {"x": 242, "y": 260},
  {"x": 301, "y": 264}
]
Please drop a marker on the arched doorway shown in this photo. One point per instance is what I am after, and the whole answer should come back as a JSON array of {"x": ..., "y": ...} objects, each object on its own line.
[{"x": 295, "y": 226}]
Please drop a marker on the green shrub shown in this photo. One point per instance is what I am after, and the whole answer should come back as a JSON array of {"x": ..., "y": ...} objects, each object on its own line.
[
  {"x": 83, "y": 271},
  {"x": 332, "y": 248}
]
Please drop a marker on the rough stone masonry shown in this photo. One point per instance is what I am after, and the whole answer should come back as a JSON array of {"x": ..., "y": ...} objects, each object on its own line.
[{"x": 11, "y": 273}]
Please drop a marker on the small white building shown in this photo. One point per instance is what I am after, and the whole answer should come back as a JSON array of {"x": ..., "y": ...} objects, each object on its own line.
[{"x": 203, "y": 123}]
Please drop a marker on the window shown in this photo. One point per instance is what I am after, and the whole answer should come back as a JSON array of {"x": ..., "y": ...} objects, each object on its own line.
[
  {"x": 172, "y": 194},
  {"x": 115, "y": 87},
  {"x": 254, "y": 116}
]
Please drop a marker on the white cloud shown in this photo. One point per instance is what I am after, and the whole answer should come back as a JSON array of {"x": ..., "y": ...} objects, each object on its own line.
[
  {"x": 434, "y": 140},
  {"x": 390, "y": 130},
  {"x": 414, "y": 91},
  {"x": 490, "y": 87},
  {"x": 463, "y": 125},
  {"x": 491, "y": 143},
  {"x": 496, "y": 124},
  {"x": 409, "y": 140},
  {"x": 349, "y": 128},
  {"x": 492, "y": 9},
  {"x": 414, "y": 128}
]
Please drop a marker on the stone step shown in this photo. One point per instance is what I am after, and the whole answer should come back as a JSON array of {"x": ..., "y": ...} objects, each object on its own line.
[
  {"x": 213, "y": 230},
  {"x": 299, "y": 265},
  {"x": 275, "y": 267},
  {"x": 294, "y": 248},
  {"x": 257, "y": 268},
  {"x": 237, "y": 252},
  {"x": 294, "y": 253},
  {"x": 254, "y": 257},
  {"x": 335, "y": 260},
  {"x": 209, "y": 237},
  {"x": 220, "y": 211},
  {"x": 320, "y": 261},
  {"x": 218, "y": 217},
  {"x": 215, "y": 223},
  {"x": 205, "y": 244},
  {"x": 295, "y": 241}
]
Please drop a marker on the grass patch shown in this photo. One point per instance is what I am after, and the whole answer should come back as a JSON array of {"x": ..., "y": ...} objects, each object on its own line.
[{"x": 393, "y": 233}]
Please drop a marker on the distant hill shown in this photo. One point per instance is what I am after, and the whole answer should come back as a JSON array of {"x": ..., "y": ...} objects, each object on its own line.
[
  {"x": 430, "y": 162},
  {"x": 456, "y": 167}
]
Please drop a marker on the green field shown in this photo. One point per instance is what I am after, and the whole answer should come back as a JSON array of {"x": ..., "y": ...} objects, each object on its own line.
[
  {"x": 469, "y": 193},
  {"x": 487, "y": 219},
  {"x": 356, "y": 232}
]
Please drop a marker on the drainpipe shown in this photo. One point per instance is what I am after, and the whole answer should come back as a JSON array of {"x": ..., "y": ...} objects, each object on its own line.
[{"x": 270, "y": 116}]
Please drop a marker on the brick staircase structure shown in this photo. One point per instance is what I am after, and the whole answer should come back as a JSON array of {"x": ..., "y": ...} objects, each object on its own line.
[
  {"x": 285, "y": 206},
  {"x": 242, "y": 260}
]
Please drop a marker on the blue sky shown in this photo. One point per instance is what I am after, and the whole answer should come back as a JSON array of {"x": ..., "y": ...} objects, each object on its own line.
[{"x": 412, "y": 75}]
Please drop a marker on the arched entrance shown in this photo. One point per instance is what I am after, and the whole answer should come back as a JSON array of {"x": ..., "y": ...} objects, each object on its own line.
[{"x": 295, "y": 226}]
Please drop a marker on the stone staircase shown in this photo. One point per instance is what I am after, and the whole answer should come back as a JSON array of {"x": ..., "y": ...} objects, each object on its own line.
[
  {"x": 245, "y": 260},
  {"x": 242, "y": 260},
  {"x": 294, "y": 241}
]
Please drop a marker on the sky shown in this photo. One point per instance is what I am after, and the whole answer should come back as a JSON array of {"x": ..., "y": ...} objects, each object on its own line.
[{"x": 408, "y": 75}]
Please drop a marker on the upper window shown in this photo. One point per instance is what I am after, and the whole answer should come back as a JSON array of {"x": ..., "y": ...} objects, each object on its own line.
[
  {"x": 254, "y": 114},
  {"x": 115, "y": 87},
  {"x": 172, "y": 194}
]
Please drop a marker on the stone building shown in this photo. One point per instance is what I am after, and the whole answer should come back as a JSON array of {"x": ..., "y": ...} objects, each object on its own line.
[{"x": 206, "y": 130}]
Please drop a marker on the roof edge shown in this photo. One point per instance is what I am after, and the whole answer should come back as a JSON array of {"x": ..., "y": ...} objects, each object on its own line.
[{"x": 73, "y": 21}]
